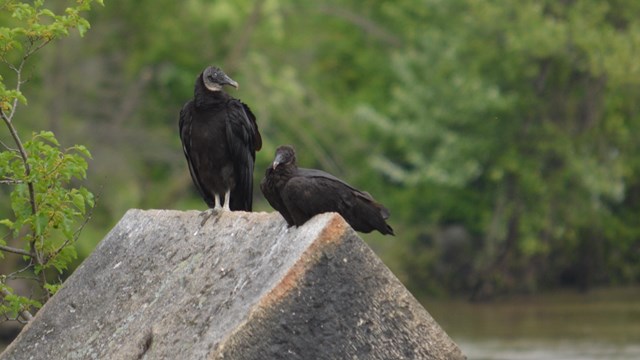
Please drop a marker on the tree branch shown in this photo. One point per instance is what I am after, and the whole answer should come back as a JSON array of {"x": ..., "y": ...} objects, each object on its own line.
[
  {"x": 16, "y": 250},
  {"x": 8, "y": 119},
  {"x": 6, "y": 146},
  {"x": 23, "y": 313},
  {"x": 18, "y": 71},
  {"x": 15, "y": 275},
  {"x": 32, "y": 50}
]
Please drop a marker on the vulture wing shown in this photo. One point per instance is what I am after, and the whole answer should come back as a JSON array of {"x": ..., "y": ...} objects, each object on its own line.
[
  {"x": 313, "y": 192},
  {"x": 186, "y": 117},
  {"x": 243, "y": 139},
  {"x": 362, "y": 195}
]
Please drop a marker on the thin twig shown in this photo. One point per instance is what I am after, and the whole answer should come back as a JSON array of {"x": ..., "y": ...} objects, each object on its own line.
[
  {"x": 7, "y": 147},
  {"x": 24, "y": 277},
  {"x": 15, "y": 250},
  {"x": 18, "y": 71},
  {"x": 40, "y": 46},
  {"x": 14, "y": 275},
  {"x": 76, "y": 235}
]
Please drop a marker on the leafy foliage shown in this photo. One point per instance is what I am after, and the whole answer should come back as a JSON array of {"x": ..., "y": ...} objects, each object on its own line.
[
  {"x": 513, "y": 126},
  {"x": 12, "y": 304},
  {"x": 59, "y": 208},
  {"x": 45, "y": 203}
]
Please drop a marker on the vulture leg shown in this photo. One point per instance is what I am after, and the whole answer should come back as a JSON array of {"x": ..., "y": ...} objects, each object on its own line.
[
  {"x": 211, "y": 212},
  {"x": 227, "y": 198},
  {"x": 218, "y": 205}
]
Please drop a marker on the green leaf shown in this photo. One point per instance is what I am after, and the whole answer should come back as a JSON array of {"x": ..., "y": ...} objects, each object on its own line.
[
  {"x": 88, "y": 196},
  {"x": 83, "y": 26},
  {"x": 41, "y": 222},
  {"x": 47, "y": 12},
  {"x": 6, "y": 222},
  {"x": 52, "y": 288},
  {"x": 83, "y": 150},
  {"x": 77, "y": 198},
  {"x": 48, "y": 136}
]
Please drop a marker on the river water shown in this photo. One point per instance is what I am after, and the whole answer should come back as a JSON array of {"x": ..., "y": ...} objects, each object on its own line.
[{"x": 602, "y": 324}]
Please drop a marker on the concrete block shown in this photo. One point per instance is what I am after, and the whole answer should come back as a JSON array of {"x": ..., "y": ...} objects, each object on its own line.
[{"x": 244, "y": 286}]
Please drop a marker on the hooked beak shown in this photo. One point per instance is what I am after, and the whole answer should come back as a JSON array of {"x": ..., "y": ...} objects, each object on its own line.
[
  {"x": 277, "y": 161},
  {"x": 230, "y": 81}
]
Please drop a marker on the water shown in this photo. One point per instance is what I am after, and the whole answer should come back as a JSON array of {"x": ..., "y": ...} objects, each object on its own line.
[{"x": 603, "y": 324}]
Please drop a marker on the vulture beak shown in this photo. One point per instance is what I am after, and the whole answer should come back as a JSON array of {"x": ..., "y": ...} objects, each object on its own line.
[
  {"x": 229, "y": 81},
  {"x": 277, "y": 161}
]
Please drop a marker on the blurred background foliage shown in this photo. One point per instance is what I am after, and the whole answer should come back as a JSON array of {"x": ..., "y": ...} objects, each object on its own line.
[{"x": 499, "y": 133}]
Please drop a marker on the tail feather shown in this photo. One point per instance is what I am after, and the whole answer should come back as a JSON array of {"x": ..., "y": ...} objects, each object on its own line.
[{"x": 367, "y": 215}]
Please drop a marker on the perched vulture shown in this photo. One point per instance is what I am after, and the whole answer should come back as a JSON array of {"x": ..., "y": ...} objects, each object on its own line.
[
  {"x": 220, "y": 138},
  {"x": 298, "y": 194}
]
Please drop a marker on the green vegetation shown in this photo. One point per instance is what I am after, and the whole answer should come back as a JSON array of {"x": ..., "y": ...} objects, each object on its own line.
[
  {"x": 46, "y": 207},
  {"x": 513, "y": 119},
  {"x": 498, "y": 133}
]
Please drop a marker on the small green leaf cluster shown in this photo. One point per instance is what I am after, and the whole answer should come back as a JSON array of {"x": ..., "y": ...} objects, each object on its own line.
[
  {"x": 12, "y": 304},
  {"x": 35, "y": 26},
  {"x": 42, "y": 23},
  {"x": 58, "y": 207}
]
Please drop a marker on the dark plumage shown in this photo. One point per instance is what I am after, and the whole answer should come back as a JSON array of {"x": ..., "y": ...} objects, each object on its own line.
[
  {"x": 298, "y": 194},
  {"x": 220, "y": 138}
]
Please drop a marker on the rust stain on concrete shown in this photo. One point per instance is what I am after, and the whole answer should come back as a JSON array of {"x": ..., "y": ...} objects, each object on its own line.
[{"x": 331, "y": 235}]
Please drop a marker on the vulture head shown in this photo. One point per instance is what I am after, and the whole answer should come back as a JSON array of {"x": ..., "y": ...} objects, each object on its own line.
[
  {"x": 285, "y": 155},
  {"x": 214, "y": 79}
]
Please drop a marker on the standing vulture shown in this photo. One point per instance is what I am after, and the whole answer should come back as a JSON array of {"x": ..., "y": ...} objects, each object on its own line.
[
  {"x": 298, "y": 194},
  {"x": 220, "y": 138}
]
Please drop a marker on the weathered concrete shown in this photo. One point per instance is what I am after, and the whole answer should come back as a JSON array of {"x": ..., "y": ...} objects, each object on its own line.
[{"x": 244, "y": 287}]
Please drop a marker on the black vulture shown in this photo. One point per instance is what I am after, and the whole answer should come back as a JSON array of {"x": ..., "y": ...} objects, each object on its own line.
[
  {"x": 220, "y": 138},
  {"x": 298, "y": 194}
]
